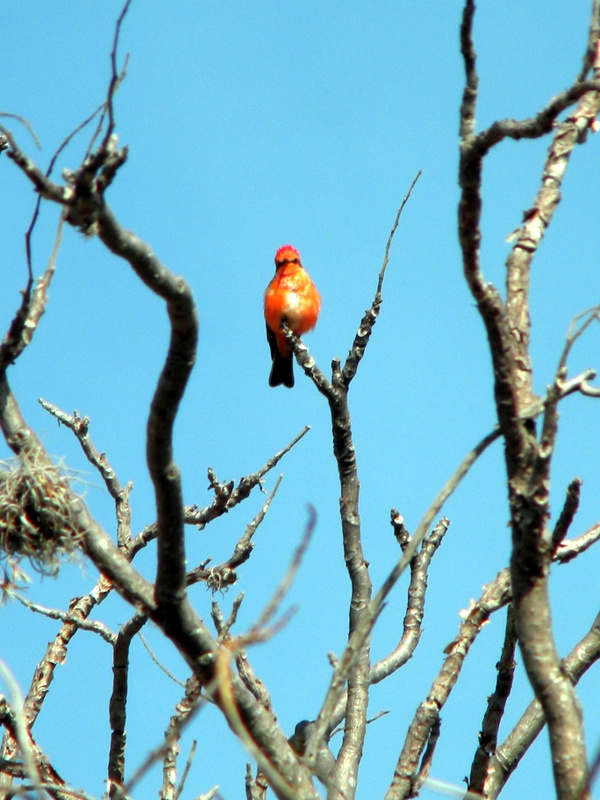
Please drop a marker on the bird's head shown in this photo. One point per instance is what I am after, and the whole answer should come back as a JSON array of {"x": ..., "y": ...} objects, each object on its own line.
[{"x": 286, "y": 254}]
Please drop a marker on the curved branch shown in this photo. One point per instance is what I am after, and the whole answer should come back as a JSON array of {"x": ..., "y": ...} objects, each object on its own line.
[
  {"x": 538, "y": 125},
  {"x": 170, "y": 576},
  {"x": 415, "y": 609}
]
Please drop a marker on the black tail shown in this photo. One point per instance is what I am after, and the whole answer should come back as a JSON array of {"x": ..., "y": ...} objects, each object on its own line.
[{"x": 282, "y": 371}]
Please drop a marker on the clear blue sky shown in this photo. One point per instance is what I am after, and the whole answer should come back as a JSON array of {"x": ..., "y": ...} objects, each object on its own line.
[{"x": 251, "y": 125}]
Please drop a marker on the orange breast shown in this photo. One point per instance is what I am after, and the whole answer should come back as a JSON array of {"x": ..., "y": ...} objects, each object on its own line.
[{"x": 291, "y": 296}]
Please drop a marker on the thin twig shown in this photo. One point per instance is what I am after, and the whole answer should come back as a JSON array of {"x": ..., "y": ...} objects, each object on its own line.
[
  {"x": 120, "y": 494},
  {"x": 33, "y": 304},
  {"x": 226, "y": 497},
  {"x": 284, "y": 584},
  {"x": 66, "y": 616},
  {"x": 186, "y": 770},
  {"x": 575, "y": 330},
  {"x": 365, "y": 328},
  {"x": 386, "y": 255},
  {"x": 116, "y": 77},
  {"x": 21, "y": 729},
  {"x": 157, "y": 662},
  {"x": 218, "y": 578},
  {"x": 25, "y": 123},
  {"x": 36, "y": 211}
]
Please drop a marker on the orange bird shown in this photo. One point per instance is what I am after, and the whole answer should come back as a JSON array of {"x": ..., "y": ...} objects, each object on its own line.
[{"x": 291, "y": 297}]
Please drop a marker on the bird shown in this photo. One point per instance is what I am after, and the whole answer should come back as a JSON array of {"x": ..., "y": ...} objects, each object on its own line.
[
  {"x": 290, "y": 297},
  {"x": 324, "y": 763}
]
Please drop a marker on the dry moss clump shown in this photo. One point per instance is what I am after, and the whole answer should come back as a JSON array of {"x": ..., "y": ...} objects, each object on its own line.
[{"x": 36, "y": 518}]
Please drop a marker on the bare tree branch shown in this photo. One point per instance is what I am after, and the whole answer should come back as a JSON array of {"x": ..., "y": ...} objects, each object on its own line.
[
  {"x": 495, "y": 595},
  {"x": 427, "y": 758},
  {"x": 415, "y": 609},
  {"x": 117, "y": 705},
  {"x": 68, "y": 617},
  {"x": 226, "y": 497},
  {"x": 170, "y": 577},
  {"x": 117, "y": 76},
  {"x": 411, "y": 633},
  {"x": 488, "y": 736},
  {"x": 527, "y": 459},
  {"x": 219, "y": 577},
  {"x": 186, "y": 706},
  {"x": 508, "y": 755},
  {"x": 467, "y": 49},
  {"x": 18, "y": 725},
  {"x": 593, "y": 37},
  {"x": 366, "y": 326},
  {"x": 563, "y": 523},
  {"x": 25, "y": 322},
  {"x": 577, "y": 327},
  {"x": 570, "y": 548},
  {"x": 120, "y": 494}
]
